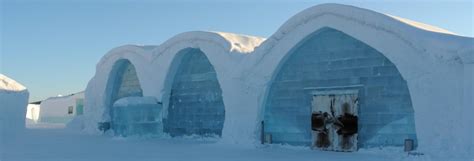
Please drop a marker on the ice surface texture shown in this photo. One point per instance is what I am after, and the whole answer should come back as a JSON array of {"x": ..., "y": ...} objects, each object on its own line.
[
  {"x": 123, "y": 82},
  {"x": 137, "y": 116},
  {"x": 329, "y": 58},
  {"x": 126, "y": 83},
  {"x": 196, "y": 105}
]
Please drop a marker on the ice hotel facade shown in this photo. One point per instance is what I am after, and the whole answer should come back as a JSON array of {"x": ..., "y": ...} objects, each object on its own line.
[{"x": 333, "y": 77}]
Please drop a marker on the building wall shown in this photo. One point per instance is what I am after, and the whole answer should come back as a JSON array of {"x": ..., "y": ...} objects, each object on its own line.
[
  {"x": 195, "y": 105},
  {"x": 56, "y": 109},
  {"x": 329, "y": 58}
]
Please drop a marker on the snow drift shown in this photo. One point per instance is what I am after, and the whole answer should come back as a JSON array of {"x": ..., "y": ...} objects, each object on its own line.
[{"x": 437, "y": 65}]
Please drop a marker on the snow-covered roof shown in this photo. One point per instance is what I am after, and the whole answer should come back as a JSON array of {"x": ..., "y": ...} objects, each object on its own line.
[
  {"x": 241, "y": 43},
  {"x": 422, "y": 25},
  {"x": 77, "y": 94},
  {"x": 10, "y": 85},
  {"x": 441, "y": 44},
  {"x": 235, "y": 43}
]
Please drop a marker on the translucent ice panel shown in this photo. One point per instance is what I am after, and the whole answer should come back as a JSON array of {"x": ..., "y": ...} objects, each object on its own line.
[
  {"x": 195, "y": 105},
  {"x": 126, "y": 81},
  {"x": 123, "y": 82},
  {"x": 137, "y": 116},
  {"x": 330, "y": 58}
]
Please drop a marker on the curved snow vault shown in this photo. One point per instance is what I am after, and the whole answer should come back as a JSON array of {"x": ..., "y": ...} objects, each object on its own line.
[
  {"x": 331, "y": 59},
  {"x": 123, "y": 82},
  {"x": 424, "y": 56},
  {"x": 195, "y": 102},
  {"x": 420, "y": 54},
  {"x": 225, "y": 52}
]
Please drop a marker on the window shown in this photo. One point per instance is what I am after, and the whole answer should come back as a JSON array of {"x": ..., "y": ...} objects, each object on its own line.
[
  {"x": 70, "y": 109},
  {"x": 79, "y": 106}
]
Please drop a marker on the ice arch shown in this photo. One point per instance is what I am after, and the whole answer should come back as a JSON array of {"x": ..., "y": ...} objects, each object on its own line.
[
  {"x": 195, "y": 99},
  {"x": 123, "y": 82},
  {"x": 330, "y": 58},
  {"x": 420, "y": 55}
]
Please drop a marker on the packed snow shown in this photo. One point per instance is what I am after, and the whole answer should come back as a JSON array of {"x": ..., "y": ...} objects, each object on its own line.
[{"x": 46, "y": 142}]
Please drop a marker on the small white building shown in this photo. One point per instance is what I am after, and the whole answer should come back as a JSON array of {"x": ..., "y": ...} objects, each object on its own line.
[{"x": 61, "y": 109}]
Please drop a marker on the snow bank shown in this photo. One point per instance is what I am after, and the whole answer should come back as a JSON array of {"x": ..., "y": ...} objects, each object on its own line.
[
  {"x": 13, "y": 102},
  {"x": 437, "y": 65}
]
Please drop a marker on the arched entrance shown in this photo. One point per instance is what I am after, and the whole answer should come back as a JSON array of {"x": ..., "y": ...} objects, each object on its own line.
[
  {"x": 123, "y": 82},
  {"x": 195, "y": 97},
  {"x": 332, "y": 64}
]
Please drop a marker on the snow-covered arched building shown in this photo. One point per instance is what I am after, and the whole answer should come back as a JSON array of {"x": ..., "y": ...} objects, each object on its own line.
[
  {"x": 193, "y": 68},
  {"x": 333, "y": 77}
]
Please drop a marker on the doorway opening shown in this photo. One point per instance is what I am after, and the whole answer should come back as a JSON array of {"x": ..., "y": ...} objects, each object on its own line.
[{"x": 334, "y": 120}]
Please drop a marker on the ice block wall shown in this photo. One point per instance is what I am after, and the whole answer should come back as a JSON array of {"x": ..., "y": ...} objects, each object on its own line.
[
  {"x": 137, "y": 116},
  {"x": 330, "y": 58},
  {"x": 126, "y": 82},
  {"x": 195, "y": 105},
  {"x": 123, "y": 82}
]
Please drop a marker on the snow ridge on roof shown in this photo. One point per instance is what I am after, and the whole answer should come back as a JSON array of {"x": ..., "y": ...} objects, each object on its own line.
[
  {"x": 236, "y": 43},
  {"x": 438, "y": 43},
  {"x": 241, "y": 43},
  {"x": 422, "y": 25},
  {"x": 65, "y": 96},
  {"x": 10, "y": 85}
]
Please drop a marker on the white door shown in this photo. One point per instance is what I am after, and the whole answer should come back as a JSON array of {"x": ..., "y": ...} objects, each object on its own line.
[{"x": 334, "y": 120}]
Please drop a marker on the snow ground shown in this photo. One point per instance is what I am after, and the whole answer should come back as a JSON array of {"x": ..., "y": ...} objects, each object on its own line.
[{"x": 53, "y": 142}]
